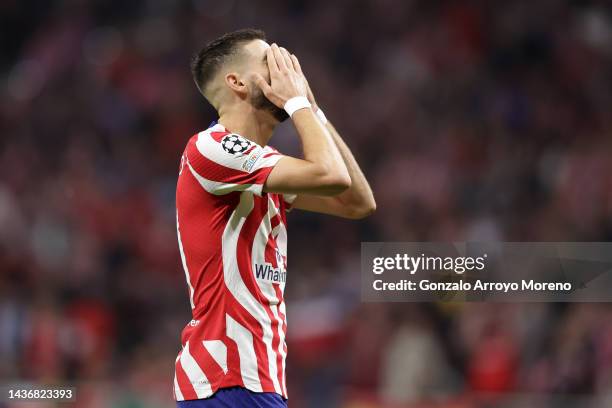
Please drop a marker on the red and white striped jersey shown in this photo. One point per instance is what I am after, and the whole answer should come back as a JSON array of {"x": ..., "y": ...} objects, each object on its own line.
[{"x": 233, "y": 243}]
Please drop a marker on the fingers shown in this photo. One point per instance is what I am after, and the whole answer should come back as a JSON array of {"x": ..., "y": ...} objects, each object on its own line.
[
  {"x": 262, "y": 84},
  {"x": 287, "y": 58},
  {"x": 268, "y": 91},
  {"x": 284, "y": 59},
  {"x": 278, "y": 56},
  {"x": 272, "y": 64},
  {"x": 296, "y": 64}
]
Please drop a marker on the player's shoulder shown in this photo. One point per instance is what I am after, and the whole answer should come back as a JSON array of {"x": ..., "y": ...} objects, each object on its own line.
[
  {"x": 218, "y": 142},
  {"x": 212, "y": 136},
  {"x": 216, "y": 139},
  {"x": 216, "y": 150}
]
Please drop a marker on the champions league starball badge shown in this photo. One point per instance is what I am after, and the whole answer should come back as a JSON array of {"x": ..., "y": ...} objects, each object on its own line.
[{"x": 235, "y": 144}]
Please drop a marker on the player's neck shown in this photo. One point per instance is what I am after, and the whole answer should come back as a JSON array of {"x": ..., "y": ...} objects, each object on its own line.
[{"x": 249, "y": 123}]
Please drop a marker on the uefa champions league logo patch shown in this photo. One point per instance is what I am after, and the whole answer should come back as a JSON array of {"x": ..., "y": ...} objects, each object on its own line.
[{"x": 235, "y": 144}]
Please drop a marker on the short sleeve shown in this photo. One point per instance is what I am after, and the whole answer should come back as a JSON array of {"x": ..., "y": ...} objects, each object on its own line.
[{"x": 224, "y": 162}]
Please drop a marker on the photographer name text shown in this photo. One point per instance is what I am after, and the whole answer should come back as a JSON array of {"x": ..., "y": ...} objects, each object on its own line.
[{"x": 477, "y": 285}]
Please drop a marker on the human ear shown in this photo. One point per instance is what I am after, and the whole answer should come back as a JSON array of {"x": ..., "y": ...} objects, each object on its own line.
[{"x": 236, "y": 83}]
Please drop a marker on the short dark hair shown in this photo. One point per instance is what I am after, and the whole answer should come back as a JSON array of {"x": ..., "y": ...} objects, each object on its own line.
[{"x": 206, "y": 63}]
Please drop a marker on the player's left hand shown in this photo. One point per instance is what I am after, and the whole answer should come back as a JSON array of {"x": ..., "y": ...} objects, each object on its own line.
[{"x": 298, "y": 68}]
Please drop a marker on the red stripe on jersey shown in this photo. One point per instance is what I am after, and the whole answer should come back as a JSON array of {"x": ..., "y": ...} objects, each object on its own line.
[
  {"x": 250, "y": 149},
  {"x": 271, "y": 154},
  {"x": 259, "y": 176},
  {"x": 196, "y": 215},
  {"x": 234, "y": 376},
  {"x": 279, "y": 295},
  {"x": 274, "y": 221},
  {"x": 270, "y": 251},
  {"x": 284, "y": 206},
  {"x": 183, "y": 381},
  {"x": 207, "y": 363},
  {"x": 216, "y": 135}
]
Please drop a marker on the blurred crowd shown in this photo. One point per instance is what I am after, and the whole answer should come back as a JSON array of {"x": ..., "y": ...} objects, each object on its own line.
[{"x": 473, "y": 120}]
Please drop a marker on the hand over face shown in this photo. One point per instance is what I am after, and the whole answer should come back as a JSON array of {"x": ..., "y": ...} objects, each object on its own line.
[{"x": 286, "y": 78}]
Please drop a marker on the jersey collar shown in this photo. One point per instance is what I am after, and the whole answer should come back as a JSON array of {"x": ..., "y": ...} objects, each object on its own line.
[{"x": 216, "y": 127}]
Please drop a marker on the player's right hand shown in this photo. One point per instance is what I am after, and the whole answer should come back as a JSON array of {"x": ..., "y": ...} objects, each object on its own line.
[
  {"x": 298, "y": 68},
  {"x": 285, "y": 80}
]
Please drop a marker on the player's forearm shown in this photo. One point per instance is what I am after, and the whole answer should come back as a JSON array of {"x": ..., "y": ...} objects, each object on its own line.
[
  {"x": 319, "y": 147},
  {"x": 359, "y": 195}
]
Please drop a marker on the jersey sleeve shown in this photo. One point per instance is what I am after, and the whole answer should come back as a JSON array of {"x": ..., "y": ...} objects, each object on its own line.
[
  {"x": 289, "y": 199},
  {"x": 224, "y": 162}
]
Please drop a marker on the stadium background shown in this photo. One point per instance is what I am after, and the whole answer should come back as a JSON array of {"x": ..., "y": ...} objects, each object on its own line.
[{"x": 473, "y": 120}]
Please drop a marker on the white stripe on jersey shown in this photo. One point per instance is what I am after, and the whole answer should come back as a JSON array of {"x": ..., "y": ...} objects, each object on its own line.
[
  {"x": 281, "y": 344},
  {"x": 246, "y": 353},
  {"x": 184, "y": 261},
  {"x": 196, "y": 376},
  {"x": 235, "y": 284},
  {"x": 218, "y": 351}
]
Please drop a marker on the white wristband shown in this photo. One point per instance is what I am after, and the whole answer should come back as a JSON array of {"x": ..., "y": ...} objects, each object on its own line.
[
  {"x": 296, "y": 103},
  {"x": 321, "y": 116}
]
